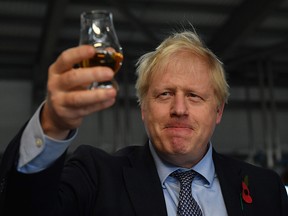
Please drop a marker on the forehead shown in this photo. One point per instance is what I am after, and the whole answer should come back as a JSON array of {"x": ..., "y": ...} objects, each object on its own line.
[{"x": 181, "y": 64}]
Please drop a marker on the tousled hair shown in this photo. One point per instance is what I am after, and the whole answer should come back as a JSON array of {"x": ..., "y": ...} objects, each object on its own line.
[{"x": 180, "y": 41}]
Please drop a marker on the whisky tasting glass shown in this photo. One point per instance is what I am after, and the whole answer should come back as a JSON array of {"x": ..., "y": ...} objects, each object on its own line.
[{"x": 97, "y": 30}]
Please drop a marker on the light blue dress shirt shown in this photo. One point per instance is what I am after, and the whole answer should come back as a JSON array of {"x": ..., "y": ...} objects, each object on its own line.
[
  {"x": 38, "y": 151},
  {"x": 205, "y": 187}
]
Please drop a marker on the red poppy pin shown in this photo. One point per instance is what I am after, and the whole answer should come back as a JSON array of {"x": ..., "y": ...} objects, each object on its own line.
[{"x": 245, "y": 191}]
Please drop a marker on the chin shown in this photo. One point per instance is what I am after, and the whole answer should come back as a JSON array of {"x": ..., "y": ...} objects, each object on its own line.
[{"x": 180, "y": 148}]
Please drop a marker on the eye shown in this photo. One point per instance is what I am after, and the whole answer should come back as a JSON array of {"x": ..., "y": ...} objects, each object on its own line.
[
  {"x": 194, "y": 97},
  {"x": 164, "y": 95}
]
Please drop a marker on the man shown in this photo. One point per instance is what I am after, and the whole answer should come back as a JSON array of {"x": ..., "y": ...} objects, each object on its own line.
[{"x": 182, "y": 90}]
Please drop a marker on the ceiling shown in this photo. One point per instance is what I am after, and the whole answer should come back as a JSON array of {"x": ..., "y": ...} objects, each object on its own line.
[{"x": 249, "y": 36}]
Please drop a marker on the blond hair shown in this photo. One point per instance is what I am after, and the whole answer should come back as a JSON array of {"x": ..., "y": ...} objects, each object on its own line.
[{"x": 183, "y": 41}]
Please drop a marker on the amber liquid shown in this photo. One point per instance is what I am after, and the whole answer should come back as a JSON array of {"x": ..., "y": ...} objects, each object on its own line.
[{"x": 105, "y": 58}]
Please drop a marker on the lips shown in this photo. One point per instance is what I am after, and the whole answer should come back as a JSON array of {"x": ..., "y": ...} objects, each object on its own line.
[{"x": 178, "y": 125}]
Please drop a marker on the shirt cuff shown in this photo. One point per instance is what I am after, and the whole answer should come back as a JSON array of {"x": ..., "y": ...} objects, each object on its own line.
[{"x": 38, "y": 151}]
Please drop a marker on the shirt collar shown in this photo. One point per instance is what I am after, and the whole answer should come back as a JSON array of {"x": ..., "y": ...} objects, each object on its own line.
[{"x": 205, "y": 167}]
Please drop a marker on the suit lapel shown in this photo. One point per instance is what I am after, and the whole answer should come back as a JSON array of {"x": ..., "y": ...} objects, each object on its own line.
[
  {"x": 230, "y": 181},
  {"x": 147, "y": 195},
  {"x": 143, "y": 185}
]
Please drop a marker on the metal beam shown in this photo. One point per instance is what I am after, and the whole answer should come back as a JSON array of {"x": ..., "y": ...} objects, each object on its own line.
[
  {"x": 50, "y": 34},
  {"x": 268, "y": 52},
  {"x": 242, "y": 22},
  {"x": 134, "y": 21}
]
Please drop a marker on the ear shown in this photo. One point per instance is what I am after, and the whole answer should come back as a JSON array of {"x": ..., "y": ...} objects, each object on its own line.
[
  {"x": 220, "y": 109},
  {"x": 142, "y": 112}
]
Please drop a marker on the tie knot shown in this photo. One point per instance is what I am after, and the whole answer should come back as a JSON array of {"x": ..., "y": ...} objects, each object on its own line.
[{"x": 185, "y": 178}]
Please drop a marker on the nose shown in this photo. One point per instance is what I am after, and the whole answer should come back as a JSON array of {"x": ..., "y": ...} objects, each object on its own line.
[{"x": 179, "y": 105}]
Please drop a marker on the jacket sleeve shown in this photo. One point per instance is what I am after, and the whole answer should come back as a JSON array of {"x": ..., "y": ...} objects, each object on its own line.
[{"x": 20, "y": 191}]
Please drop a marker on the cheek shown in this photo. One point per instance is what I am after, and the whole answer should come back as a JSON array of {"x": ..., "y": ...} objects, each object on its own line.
[
  {"x": 152, "y": 113},
  {"x": 146, "y": 118},
  {"x": 153, "y": 118},
  {"x": 204, "y": 119},
  {"x": 149, "y": 117}
]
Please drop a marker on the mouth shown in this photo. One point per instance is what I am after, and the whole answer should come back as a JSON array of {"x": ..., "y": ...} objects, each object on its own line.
[
  {"x": 178, "y": 125},
  {"x": 178, "y": 128}
]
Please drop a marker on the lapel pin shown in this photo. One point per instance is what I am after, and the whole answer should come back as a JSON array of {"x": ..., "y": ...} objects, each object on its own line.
[{"x": 245, "y": 191}]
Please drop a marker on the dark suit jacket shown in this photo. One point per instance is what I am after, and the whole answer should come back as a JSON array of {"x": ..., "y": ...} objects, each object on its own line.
[{"x": 95, "y": 183}]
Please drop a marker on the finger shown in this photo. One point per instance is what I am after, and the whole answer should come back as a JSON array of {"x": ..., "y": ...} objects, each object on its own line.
[
  {"x": 86, "y": 98},
  {"x": 72, "y": 56},
  {"x": 87, "y": 110},
  {"x": 84, "y": 77}
]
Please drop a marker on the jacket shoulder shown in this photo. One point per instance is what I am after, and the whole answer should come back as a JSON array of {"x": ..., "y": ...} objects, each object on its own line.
[{"x": 261, "y": 176}]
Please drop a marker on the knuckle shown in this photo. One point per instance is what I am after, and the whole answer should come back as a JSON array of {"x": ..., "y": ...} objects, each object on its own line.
[
  {"x": 70, "y": 77},
  {"x": 75, "y": 100},
  {"x": 64, "y": 56}
]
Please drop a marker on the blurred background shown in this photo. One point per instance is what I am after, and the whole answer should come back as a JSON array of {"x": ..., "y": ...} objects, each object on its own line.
[{"x": 249, "y": 36}]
